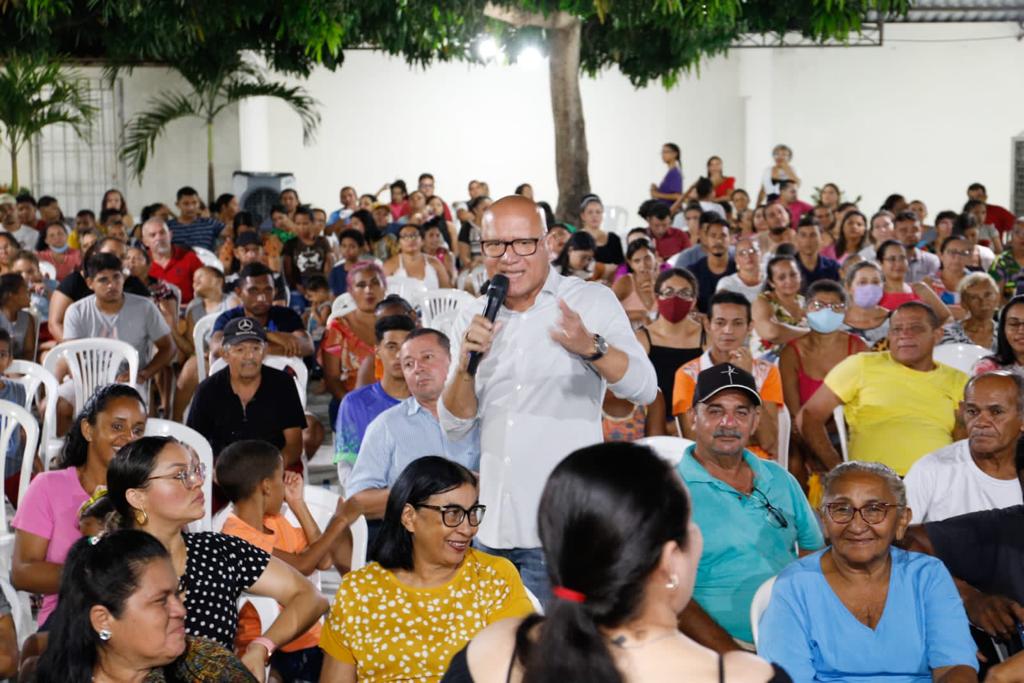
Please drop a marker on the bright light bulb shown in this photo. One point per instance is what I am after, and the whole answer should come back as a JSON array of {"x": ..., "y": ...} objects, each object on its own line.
[
  {"x": 487, "y": 49},
  {"x": 530, "y": 56}
]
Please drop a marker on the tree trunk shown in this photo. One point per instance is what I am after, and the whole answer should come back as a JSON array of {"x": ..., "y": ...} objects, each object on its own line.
[
  {"x": 14, "y": 168},
  {"x": 571, "y": 156},
  {"x": 210, "y": 197}
]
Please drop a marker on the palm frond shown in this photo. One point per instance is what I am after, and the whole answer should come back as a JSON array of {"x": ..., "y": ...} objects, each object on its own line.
[
  {"x": 35, "y": 93},
  {"x": 301, "y": 102},
  {"x": 145, "y": 128}
]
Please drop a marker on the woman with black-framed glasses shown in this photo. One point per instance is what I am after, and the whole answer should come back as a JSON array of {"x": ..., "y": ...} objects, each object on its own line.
[
  {"x": 863, "y": 609},
  {"x": 428, "y": 584}
]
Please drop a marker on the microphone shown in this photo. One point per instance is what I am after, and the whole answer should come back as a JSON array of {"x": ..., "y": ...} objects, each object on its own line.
[{"x": 496, "y": 293}]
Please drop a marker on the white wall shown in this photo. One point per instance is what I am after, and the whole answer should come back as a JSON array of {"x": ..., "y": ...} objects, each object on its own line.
[{"x": 920, "y": 118}]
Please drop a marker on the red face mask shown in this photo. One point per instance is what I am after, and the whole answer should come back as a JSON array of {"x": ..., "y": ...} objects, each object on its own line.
[{"x": 674, "y": 309}]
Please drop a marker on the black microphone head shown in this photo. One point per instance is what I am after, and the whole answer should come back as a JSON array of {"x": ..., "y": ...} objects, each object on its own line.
[{"x": 498, "y": 287}]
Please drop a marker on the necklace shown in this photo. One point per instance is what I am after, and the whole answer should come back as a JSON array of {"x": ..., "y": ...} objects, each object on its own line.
[{"x": 621, "y": 642}]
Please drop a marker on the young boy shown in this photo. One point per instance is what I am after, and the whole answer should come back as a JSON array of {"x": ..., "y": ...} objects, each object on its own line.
[
  {"x": 319, "y": 294},
  {"x": 251, "y": 474}
]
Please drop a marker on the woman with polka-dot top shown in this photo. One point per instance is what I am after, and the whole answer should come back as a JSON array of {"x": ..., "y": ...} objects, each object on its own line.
[
  {"x": 155, "y": 485},
  {"x": 403, "y": 617}
]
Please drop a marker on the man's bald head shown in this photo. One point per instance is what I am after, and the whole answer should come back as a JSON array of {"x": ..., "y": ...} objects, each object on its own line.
[
  {"x": 515, "y": 210},
  {"x": 515, "y": 227}
]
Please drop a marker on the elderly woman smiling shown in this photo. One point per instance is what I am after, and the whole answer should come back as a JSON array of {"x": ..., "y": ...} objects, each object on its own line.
[{"x": 862, "y": 609}]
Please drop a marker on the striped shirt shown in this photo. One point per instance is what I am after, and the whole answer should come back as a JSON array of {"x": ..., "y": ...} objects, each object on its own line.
[{"x": 202, "y": 232}]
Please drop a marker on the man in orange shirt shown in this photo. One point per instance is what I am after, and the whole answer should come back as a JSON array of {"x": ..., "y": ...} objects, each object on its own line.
[
  {"x": 728, "y": 325},
  {"x": 251, "y": 474}
]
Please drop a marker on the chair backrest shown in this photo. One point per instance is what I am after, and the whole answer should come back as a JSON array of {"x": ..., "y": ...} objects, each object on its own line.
[
  {"x": 298, "y": 368},
  {"x": 782, "y": 440},
  {"x": 21, "y": 610},
  {"x": 93, "y": 363},
  {"x": 38, "y": 321},
  {"x": 477, "y": 277},
  {"x": 669, "y": 448},
  {"x": 445, "y": 323},
  {"x": 844, "y": 440},
  {"x": 410, "y": 289},
  {"x": 48, "y": 270},
  {"x": 13, "y": 416},
  {"x": 360, "y": 539},
  {"x": 959, "y": 356},
  {"x": 34, "y": 377},
  {"x": 200, "y": 336},
  {"x": 344, "y": 303},
  {"x": 208, "y": 258},
  {"x": 198, "y": 443},
  {"x": 440, "y": 301},
  {"x": 759, "y": 604}
]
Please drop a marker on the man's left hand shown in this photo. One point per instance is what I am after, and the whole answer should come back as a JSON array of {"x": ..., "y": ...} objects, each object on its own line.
[{"x": 571, "y": 333}]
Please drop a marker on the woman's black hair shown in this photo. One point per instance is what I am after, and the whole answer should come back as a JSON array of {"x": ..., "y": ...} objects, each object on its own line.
[
  {"x": 549, "y": 215},
  {"x": 371, "y": 231},
  {"x": 772, "y": 262},
  {"x": 421, "y": 479},
  {"x": 103, "y": 571},
  {"x": 949, "y": 240},
  {"x": 891, "y": 201},
  {"x": 884, "y": 246},
  {"x": 605, "y": 515},
  {"x": 635, "y": 246},
  {"x": 1004, "y": 354},
  {"x": 676, "y": 272},
  {"x": 76, "y": 449},
  {"x": 131, "y": 468},
  {"x": 675, "y": 148},
  {"x": 841, "y": 246},
  {"x": 10, "y": 284},
  {"x": 581, "y": 240}
]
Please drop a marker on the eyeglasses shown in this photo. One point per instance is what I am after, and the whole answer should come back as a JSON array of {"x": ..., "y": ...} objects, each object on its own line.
[
  {"x": 410, "y": 236},
  {"x": 774, "y": 514},
  {"x": 747, "y": 252},
  {"x": 452, "y": 515},
  {"x": 521, "y": 247},
  {"x": 966, "y": 253},
  {"x": 189, "y": 478},
  {"x": 1014, "y": 324},
  {"x": 838, "y": 307},
  {"x": 872, "y": 513},
  {"x": 669, "y": 293},
  {"x": 895, "y": 259}
]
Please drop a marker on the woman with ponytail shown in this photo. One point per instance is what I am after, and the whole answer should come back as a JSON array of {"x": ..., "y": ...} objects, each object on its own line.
[
  {"x": 46, "y": 524},
  {"x": 622, "y": 555},
  {"x": 121, "y": 618}
]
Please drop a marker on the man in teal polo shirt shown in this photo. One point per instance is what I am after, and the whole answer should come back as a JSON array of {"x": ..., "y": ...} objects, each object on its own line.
[{"x": 751, "y": 512}]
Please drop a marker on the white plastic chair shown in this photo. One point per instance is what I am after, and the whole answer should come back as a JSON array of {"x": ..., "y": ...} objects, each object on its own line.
[
  {"x": 38, "y": 320},
  {"x": 782, "y": 441},
  {"x": 959, "y": 356},
  {"x": 34, "y": 376},
  {"x": 410, "y": 289},
  {"x": 476, "y": 277},
  {"x": 208, "y": 258},
  {"x": 360, "y": 539},
  {"x": 21, "y": 610},
  {"x": 93, "y": 363},
  {"x": 301, "y": 374},
  {"x": 344, "y": 303},
  {"x": 439, "y": 301},
  {"x": 198, "y": 443},
  {"x": 200, "y": 339},
  {"x": 48, "y": 270},
  {"x": 759, "y": 604},
  {"x": 13, "y": 416},
  {"x": 844, "y": 440},
  {"x": 445, "y": 323},
  {"x": 668, "y": 448}
]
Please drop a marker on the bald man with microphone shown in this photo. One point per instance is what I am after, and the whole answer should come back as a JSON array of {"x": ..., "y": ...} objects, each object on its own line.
[{"x": 556, "y": 343}]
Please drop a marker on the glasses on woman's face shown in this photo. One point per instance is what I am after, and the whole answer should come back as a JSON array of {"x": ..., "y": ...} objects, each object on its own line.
[
  {"x": 190, "y": 477},
  {"x": 669, "y": 293},
  {"x": 751, "y": 251},
  {"x": 872, "y": 513},
  {"x": 838, "y": 307},
  {"x": 452, "y": 515},
  {"x": 520, "y": 247},
  {"x": 410, "y": 236},
  {"x": 897, "y": 258},
  {"x": 958, "y": 253},
  {"x": 1014, "y": 324}
]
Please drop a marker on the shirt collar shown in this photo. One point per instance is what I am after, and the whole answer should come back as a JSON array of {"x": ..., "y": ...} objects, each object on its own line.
[
  {"x": 552, "y": 282},
  {"x": 693, "y": 472},
  {"x": 412, "y": 406}
]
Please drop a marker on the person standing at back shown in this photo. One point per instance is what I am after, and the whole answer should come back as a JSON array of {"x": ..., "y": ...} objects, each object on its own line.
[
  {"x": 557, "y": 343},
  {"x": 190, "y": 229}
]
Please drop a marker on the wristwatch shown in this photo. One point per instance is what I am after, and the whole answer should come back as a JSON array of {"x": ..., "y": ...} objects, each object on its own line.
[{"x": 600, "y": 348}]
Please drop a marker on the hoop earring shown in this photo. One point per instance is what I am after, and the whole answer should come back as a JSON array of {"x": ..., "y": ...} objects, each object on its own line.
[
  {"x": 673, "y": 582},
  {"x": 104, "y": 635},
  {"x": 141, "y": 517}
]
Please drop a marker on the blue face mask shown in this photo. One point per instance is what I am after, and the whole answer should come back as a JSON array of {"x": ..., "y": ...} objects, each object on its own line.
[
  {"x": 59, "y": 250},
  {"x": 825, "y": 321}
]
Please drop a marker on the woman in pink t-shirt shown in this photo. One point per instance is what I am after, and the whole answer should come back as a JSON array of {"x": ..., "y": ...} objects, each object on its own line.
[{"x": 46, "y": 523}]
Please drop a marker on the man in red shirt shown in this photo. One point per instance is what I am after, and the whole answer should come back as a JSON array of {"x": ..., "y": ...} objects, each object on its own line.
[
  {"x": 171, "y": 262},
  {"x": 668, "y": 241},
  {"x": 796, "y": 208},
  {"x": 1002, "y": 219}
]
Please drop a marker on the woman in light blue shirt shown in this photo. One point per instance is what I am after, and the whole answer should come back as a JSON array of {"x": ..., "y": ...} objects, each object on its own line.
[{"x": 862, "y": 609}]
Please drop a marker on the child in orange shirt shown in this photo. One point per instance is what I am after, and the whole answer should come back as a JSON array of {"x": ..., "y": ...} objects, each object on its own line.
[{"x": 252, "y": 476}]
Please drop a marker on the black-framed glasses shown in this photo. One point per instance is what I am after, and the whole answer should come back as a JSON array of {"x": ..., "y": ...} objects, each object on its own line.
[
  {"x": 190, "y": 477},
  {"x": 774, "y": 514},
  {"x": 872, "y": 513},
  {"x": 526, "y": 246},
  {"x": 452, "y": 515},
  {"x": 838, "y": 307},
  {"x": 669, "y": 293}
]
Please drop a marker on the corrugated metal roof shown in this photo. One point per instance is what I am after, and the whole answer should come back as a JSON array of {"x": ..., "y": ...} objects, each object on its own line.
[{"x": 935, "y": 11}]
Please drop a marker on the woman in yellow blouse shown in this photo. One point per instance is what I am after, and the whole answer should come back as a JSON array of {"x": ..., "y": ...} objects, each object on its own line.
[{"x": 404, "y": 616}]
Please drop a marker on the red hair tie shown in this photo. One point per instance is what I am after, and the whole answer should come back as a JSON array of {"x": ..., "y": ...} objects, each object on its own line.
[{"x": 568, "y": 594}]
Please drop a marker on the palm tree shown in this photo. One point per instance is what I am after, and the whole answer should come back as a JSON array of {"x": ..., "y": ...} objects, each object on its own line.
[
  {"x": 36, "y": 93},
  {"x": 216, "y": 83}
]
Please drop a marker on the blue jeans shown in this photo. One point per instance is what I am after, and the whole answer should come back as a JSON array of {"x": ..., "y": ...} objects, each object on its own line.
[{"x": 531, "y": 566}]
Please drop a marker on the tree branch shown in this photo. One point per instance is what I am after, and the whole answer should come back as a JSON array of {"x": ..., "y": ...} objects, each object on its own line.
[{"x": 520, "y": 18}]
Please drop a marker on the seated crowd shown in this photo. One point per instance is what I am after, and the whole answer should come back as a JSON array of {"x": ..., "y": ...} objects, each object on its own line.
[{"x": 833, "y": 504}]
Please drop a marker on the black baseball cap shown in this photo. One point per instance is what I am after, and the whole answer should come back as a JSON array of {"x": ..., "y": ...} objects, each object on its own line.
[
  {"x": 721, "y": 377},
  {"x": 243, "y": 329},
  {"x": 247, "y": 238}
]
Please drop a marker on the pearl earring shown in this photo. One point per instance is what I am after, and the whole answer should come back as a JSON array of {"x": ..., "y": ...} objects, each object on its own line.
[
  {"x": 104, "y": 634},
  {"x": 673, "y": 582}
]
